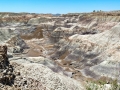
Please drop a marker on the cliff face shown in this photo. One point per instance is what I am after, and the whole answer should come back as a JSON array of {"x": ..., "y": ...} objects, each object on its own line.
[{"x": 71, "y": 47}]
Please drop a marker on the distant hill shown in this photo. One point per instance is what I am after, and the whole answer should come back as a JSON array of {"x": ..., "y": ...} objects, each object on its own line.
[{"x": 56, "y": 14}]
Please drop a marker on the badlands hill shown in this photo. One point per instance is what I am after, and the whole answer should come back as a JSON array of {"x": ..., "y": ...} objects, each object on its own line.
[{"x": 61, "y": 52}]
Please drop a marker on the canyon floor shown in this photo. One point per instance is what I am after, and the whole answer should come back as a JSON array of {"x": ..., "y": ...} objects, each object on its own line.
[{"x": 61, "y": 52}]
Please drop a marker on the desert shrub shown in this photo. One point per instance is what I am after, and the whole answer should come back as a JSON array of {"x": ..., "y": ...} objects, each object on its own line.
[
  {"x": 100, "y": 85},
  {"x": 115, "y": 85}
]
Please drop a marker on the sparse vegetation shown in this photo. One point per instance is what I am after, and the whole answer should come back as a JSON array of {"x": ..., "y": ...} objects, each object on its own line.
[{"x": 101, "y": 85}]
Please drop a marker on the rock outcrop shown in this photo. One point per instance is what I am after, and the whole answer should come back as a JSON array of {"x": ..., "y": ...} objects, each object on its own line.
[{"x": 6, "y": 70}]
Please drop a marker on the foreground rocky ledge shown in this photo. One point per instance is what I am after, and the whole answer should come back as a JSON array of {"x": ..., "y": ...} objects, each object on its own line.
[{"x": 44, "y": 77}]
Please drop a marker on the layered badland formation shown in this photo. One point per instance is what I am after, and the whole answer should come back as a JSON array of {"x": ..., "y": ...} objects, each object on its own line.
[{"x": 45, "y": 52}]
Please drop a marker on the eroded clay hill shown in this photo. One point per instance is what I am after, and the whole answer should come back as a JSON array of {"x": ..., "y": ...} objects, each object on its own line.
[{"x": 63, "y": 52}]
